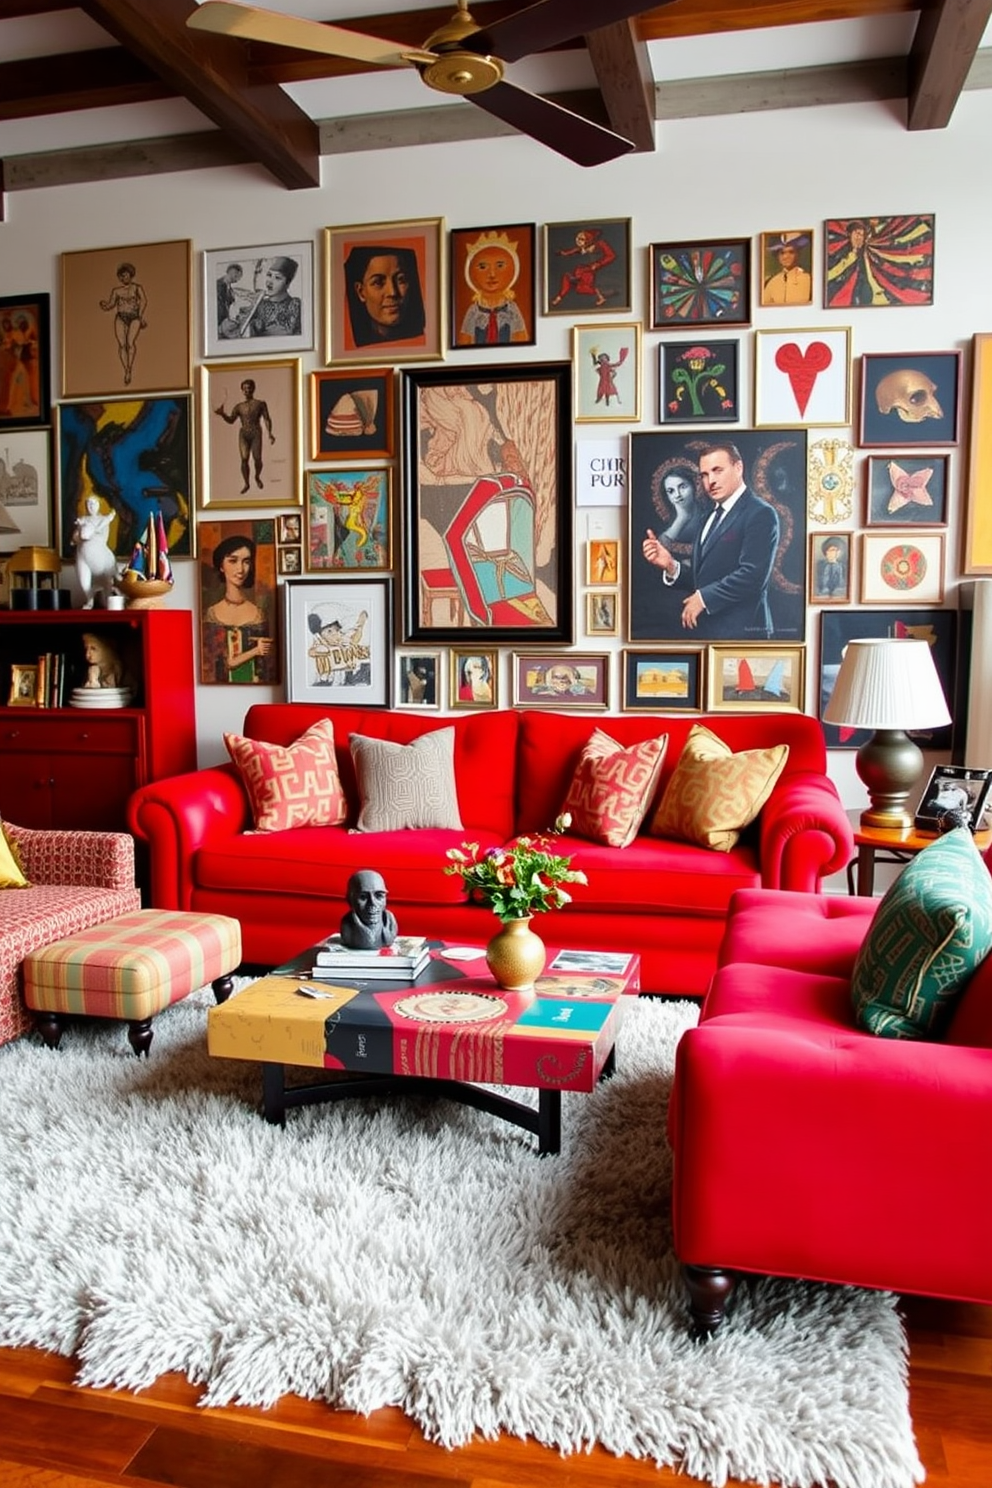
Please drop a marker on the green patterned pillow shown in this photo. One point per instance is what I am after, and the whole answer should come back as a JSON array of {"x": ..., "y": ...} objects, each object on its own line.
[{"x": 930, "y": 933}]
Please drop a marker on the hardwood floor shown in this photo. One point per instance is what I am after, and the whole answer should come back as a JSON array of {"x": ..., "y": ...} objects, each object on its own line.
[{"x": 54, "y": 1435}]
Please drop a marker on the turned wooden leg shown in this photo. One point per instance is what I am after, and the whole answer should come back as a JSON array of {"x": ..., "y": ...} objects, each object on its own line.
[
  {"x": 223, "y": 986},
  {"x": 709, "y": 1291},
  {"x": 139, "y": 1034},
  {"x": 50, "y": 1026}
]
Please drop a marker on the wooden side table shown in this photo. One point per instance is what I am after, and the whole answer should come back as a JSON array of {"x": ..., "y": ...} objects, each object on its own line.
[{"x": 891, "y": 845}]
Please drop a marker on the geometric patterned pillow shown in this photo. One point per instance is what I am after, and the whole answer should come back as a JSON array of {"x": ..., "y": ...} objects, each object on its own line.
[
  {"x": 931, "y": 931},
  {"x": 11, "y": 870},
  {"x": 612, "y": 787},
  {"x": 294, "y": 786},
  {"x": 714, "y": 793},
  {"x": 403, "y": 786}
]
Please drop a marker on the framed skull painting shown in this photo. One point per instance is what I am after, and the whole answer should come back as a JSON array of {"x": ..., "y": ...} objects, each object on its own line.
[{"x": 910, "y": 398}]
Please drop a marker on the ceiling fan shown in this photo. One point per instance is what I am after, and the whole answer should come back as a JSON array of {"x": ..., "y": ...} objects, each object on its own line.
[{"x": 460, "y": 57}]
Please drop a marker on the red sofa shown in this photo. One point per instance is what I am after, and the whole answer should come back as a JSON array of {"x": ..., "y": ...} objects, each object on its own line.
[
  {"x": 806, "y": 1147},
  {"x": 668, "y": 901}
]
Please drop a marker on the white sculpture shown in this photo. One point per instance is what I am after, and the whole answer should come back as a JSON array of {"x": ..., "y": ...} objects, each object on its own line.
[{"x": 96, "y": 566}]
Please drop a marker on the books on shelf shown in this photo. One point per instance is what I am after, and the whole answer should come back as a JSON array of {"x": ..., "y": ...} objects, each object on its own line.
[{"x": 405, "y": 952}]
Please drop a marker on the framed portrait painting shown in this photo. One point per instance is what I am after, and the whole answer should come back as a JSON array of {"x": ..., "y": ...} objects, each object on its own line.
[
  {"x": 562, "y": 680},
  {"x": 492, "y": 279},
  {"x": 878, "y": 261},
  {"x": 473, "y": 679},
  {"x": 126, "y": 320},
  {"x": 906, "y": 490},
  {"x": 338, "y": 639},
  {"x": 606, "y": 362},
  {"x": 133, "y": 455},
  {"x": 907, "y": 568},
  {"x": 384, "y": 296},
  {"x": 755, "y": 679},
  {"x": 352, "y": 414},
  {"x": 25, "y": 489},
  {"x": 802, "y": 378},
  {"x": 587, "y": 267},
  {"x": 787, "y": 268},
  {"x": 25, "y": 361},
  {"x": 698, "y": 381},
  {"x": 348, "y": 520},
  {"x": 250, "y": 434},
  {"x": 662, "y": 681},
  {"x": 418, "y": 680},
  {"x": 487, "y": 487},
  {"x": 837, "y": 627},
  {"x": 830, "y": 568},
  {"x": 700, "y": 284},
  {"x": 258, "y": 301},
  {"x": 910, "y": 398},
  {"x": 750, "y": 572},
  {"x": 238, "y": 620}
]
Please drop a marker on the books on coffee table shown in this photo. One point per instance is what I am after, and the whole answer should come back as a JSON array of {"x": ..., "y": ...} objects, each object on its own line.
[{"x": 404, "y": 959}]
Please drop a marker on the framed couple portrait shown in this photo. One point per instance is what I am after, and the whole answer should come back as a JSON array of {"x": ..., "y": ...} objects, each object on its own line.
[{"x": 385, "y": 292}]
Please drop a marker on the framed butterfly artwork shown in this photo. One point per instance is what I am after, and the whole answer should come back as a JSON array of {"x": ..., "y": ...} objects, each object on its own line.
[{"x": 906, "y": 491}]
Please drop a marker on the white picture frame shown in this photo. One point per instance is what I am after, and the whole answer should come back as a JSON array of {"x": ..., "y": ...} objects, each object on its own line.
[
  {"x": 802, "y": 378},
  {"x": 338, "y": 641},
  {"x": 250, "y": 301}
]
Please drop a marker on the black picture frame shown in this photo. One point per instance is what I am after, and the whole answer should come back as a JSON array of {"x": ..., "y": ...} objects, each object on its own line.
[
  {"x": 698, "y": 381},
  {"x": 706, "y": 282},
  {"x": 653, "y": 681},
  {"x": 516, "y": 424},
  {"x": 587, "y": 266},
  {"x": 953, "y": 788},
  {"x": 906, "y": 490},
  {"x": 838, "y": 627},
  {"x": 28, "y": 389},
  {"x": 915, "y": 382}
]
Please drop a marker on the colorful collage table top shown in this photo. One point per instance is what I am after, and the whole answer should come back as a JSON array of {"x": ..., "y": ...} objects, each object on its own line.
[{"x": 453, "y": 1022}]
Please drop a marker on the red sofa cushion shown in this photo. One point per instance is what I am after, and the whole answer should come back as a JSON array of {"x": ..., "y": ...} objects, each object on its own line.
[
  {"x": 659, "y": 876},
  {"x": 805, "y": 932}
]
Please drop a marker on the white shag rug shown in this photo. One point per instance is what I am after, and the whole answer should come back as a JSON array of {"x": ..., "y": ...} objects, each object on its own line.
[{"x": 418, "y": 1254}]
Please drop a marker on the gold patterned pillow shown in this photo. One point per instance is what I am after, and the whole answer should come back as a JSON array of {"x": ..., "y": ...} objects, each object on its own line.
[
  {"x": 294, "y": 786},
  {"x": 11, "y": 868},
  {"x": 612, "y": 788},
  {"x": 714, "y": 793},
  {"x": 406, "y": 785}
]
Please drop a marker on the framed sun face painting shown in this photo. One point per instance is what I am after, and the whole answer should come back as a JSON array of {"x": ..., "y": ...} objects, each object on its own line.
[
  {"x": 700, "y": 284},
  {"x": 492, "y": 280}
]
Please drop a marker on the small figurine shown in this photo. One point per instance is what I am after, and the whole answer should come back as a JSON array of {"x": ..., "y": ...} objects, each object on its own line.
[
  {"x": 103, "y": 665},
  {"x": 96, "y": 566},
  {"x": 368, "y": 925}
]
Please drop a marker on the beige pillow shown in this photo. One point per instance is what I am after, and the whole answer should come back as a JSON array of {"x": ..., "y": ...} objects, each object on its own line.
[
  {"x": 612, "y": 788},
  {"x": 713, "y": 793},
  {"x": 406, "y": 785}
]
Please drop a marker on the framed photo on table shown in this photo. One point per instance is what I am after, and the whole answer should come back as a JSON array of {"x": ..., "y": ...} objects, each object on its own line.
[
  {"x": 26, "y": 382},
  {"x": 352, "y": 415},
  {"x": 385, "y": 293},
  {"x": 488, "y": 541},
  {"x": 492, "y": 274},
  {"x": 250, "y": 434},
  {"x": 910, "y": 398},
  {"x": 258, "y": 301},
  {"x": 954, "y": 788},
  {"x": 338, "y": 638}
]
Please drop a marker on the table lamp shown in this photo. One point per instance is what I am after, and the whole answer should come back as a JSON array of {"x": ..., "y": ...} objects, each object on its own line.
[{"x": 889, "y": 685}]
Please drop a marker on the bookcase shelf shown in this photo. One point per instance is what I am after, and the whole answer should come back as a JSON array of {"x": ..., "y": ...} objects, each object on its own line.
[{"x": 76, "y": 767}]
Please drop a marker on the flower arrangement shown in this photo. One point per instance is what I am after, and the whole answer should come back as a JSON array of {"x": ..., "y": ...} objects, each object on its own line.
[{"x": 518, "y": 881}]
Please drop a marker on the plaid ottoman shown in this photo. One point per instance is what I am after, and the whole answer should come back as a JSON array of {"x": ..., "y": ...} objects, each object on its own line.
[{"x": 130, "y": 968}]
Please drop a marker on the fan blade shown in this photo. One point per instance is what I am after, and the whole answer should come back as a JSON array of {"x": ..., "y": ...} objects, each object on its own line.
[
  {"x": 231, "y": 19},
  {"x": 550, "y": 22},
  {"x": 570, "y": 134}
]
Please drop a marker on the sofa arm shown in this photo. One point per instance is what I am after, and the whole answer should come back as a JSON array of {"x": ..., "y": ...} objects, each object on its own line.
[
  {"x": 804, "y": 834},
  {"x": 177, "y": 816},
  {"x": 99, "y": 860}
]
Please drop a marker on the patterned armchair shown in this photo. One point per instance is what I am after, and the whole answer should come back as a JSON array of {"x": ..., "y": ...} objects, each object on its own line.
[{"x": 77, "y": 879}]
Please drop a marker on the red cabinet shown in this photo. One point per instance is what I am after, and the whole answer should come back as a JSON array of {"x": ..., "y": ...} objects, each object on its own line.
[{"x": 76, "y": 767}]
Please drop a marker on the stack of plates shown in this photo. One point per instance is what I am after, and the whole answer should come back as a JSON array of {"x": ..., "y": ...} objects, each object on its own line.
[{"x": 100, "y": 697}]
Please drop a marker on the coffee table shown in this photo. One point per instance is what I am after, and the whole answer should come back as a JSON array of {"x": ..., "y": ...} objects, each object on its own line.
[{"x": 449, "y": 1034}]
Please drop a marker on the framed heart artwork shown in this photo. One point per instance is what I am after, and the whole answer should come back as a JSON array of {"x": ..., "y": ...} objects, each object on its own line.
[{"x": 802, "y": 378}]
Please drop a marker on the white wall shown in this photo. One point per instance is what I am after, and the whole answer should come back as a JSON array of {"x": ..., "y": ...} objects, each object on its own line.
[{"x": 730, "y": 176}]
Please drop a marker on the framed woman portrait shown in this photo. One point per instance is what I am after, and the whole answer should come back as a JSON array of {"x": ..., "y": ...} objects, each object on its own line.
[
  {"x": 258, "y": 301},
  {"x": 338, "y": 641},
  {"x": 587, "y": 267},
  {"x": 418, "y": 680},
  {"x": 126, "y": 320},
  {"x": 830, "y": 568},
  {"x": 606, "y": 366},
  {"x": 492, "y": 285},
  {"x": 250, "y": 434},
  {"x": 352, "y": 414},
  {"x": 25, "y": 361},
  {"x": 384, "y": 296},
  {"x": 906, "y": 491},
  {"x": 348, "y": 520},
  {"x": 238, "y": 622},
  {"x": 662, "y": 681},
  {"x": 562, "y": 680},
  {"x": 488, "y": 536},
  {"x": 910, "y": 398},
  {"x": 473, "y": 679}
]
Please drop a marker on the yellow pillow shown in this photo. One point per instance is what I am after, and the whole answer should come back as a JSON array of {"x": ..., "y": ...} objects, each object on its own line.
[
  {"x": 11, "y": 875},
  {"x": 713, "y": 793}
]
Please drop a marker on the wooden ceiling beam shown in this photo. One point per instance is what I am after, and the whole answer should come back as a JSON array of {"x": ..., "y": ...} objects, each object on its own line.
[
  {"x": 948, "y": 35},
  {"x": 111, "y": 76},
  {"x": 622, "y": 65},
  {"x": 211, "y": 71}
]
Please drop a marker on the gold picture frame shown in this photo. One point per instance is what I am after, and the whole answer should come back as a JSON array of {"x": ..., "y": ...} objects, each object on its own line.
[
  {"x": 603, "y": 612},
  {"x": 367, "y": 318},
  {"x": 976, "y": 558},
  {"x": 603, "y": 562},
  {"x": 473, "y": 678},
  {"x": 755, "y": 679},
  {"x": 250, "y": 456},
  {"x": 23, "y": 686}
]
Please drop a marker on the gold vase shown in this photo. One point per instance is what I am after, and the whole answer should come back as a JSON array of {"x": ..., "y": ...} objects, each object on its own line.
[{"x": 515, "y": 956}]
